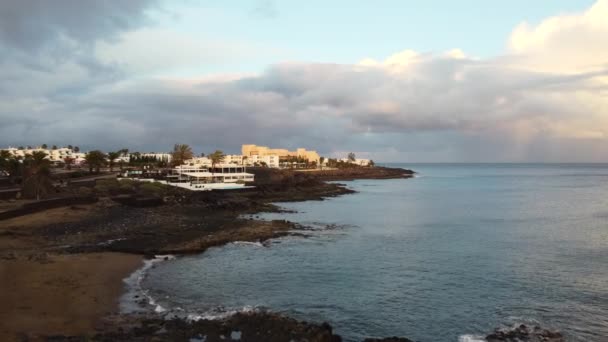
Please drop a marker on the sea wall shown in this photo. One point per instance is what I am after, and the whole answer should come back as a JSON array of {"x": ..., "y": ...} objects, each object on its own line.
[{"x": 33, "y": 207}]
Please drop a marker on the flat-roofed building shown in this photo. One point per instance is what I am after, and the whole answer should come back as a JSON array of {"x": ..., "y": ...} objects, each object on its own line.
[{"x": 250, "y": 151}]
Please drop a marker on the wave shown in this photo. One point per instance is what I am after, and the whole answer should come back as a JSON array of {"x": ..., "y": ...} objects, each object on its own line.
[
  {"x": 137, "y": 299},
  {"x": 471, "y": 338},
  {"x": 220, "y": 314},
  {"x": 248, "y": 243},
  {"x": 131, "y": 300}
]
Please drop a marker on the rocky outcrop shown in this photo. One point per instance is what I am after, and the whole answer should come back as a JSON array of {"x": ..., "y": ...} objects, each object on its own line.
[
  {"x": 524, "y": 333},
  {"x": 247, "y": 327}
]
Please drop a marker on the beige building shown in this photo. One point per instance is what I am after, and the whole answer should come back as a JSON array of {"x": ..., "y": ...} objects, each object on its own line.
[{"x": 262, "y": 151}]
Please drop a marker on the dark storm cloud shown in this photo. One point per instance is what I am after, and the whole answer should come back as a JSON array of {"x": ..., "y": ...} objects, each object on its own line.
[{"x": 32, "y": 24}]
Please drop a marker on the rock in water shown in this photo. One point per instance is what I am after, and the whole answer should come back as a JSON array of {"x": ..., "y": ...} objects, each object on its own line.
[{"x": 524, "y": 333}]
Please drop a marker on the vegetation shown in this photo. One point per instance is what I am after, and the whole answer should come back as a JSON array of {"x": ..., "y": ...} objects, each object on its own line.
[
  {"x": 10, "y": 166},
  {"x": 339, "y": 164},
  {"x": 288, "y": 161},
  {"x": 154, "y": 189},
  {"x": 95, "y": 160},
  {"x": 37, "y": 176},
  {"x": 106, "y": 186},
  {"x": 351, "y": 157},
  {"x": 69, "y": 161},
  {"x": 216, "y": 157},
  {"x": 5, "y": 157},
  {"x": 123, "y": 153},
  {"x": 111, "y": 187},
  {"x": 136, "y": 159},
  {"x": 181, "y": 153},
  {"x": 112, "y": 156}
]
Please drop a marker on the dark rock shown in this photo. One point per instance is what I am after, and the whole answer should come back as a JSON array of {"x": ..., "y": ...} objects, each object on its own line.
[{"x": 524, "y": 333}]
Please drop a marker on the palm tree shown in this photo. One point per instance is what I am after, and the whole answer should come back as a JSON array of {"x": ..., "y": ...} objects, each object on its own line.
[
  {"x": 216, "y": 158},
  {"x": 76, "y": 149},
  {"x": 44, "y": 146},
  {"x": 11, "y": 165},
  {"x": 5, "y": 160},
  {"x": 37, "y": 181},
  {"x": 123, "y": 153},
  {"x": 68, "y": 162},
  {"x": 181, "y": 153},
  {"x": 95, "y": 159},
  {"x": 351, "y": 157},
  {"x": 112, "y": 156}
]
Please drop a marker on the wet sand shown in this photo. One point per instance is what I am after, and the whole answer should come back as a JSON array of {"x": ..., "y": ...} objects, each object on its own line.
[{"x": 60, "y": 294}]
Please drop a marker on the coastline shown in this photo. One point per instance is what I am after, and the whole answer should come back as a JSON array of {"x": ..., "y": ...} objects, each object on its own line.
[
  {"x": 67, "y": 265},
  {"x": 193, "y": 224}
]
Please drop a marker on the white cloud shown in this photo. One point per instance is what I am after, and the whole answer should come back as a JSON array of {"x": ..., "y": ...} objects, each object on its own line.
[{"x": 567, "y": 43}]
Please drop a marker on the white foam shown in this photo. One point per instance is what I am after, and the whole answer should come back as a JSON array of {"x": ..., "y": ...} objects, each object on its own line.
[
  {"x": 128, "y": 303},
  {"x": 111, "y": 241},
  {"x": 471, "y": 338},
  {"x": 250, "y": 243},
  {"x": 217, "y": 315}
]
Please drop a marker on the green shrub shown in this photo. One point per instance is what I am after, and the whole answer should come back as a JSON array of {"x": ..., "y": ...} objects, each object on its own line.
[
  {"x": 154, "y": 188},
  {"x": 107, "y": 186},
  {"x": 129, "y": 182},
  {"x": 127, "y": 185},
  {"x": 85, "y": 191}
]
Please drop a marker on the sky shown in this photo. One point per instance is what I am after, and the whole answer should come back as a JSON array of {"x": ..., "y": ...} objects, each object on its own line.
[{"x": 411, "y": 81}]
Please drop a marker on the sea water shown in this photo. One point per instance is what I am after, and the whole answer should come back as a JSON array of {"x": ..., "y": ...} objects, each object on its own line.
[{"x": 446, "y": 256}]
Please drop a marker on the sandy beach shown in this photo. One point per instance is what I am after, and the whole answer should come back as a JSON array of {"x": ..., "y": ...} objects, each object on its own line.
[{"x": 61, "y": 294}]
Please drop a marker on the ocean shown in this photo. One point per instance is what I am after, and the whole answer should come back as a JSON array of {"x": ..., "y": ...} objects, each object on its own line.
[{"x": 446, "y": 256}]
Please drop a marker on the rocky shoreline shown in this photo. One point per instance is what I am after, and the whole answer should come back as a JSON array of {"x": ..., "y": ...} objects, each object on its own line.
[{"x": 187, "y": 223}]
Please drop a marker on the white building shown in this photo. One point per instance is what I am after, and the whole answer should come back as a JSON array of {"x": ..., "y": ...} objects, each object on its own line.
[
  {"x": 198, "y": 162},
  {"x": 237, "y": 159},
  {"x": 159, "y": 156},
  {"x": 54, "y": 155},
  {"x": 357, "y": 161},
  {"x": 203, "y": 178}
]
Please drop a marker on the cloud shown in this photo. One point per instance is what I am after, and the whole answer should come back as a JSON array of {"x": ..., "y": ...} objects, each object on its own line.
[
  {"x": 566, "y": 43},
  {"x": 32, "y": 24},
  {"x": 534, "y": 103}
]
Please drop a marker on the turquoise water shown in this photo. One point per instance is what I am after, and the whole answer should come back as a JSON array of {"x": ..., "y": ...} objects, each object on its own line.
[{"x": 457, "y": 251}]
